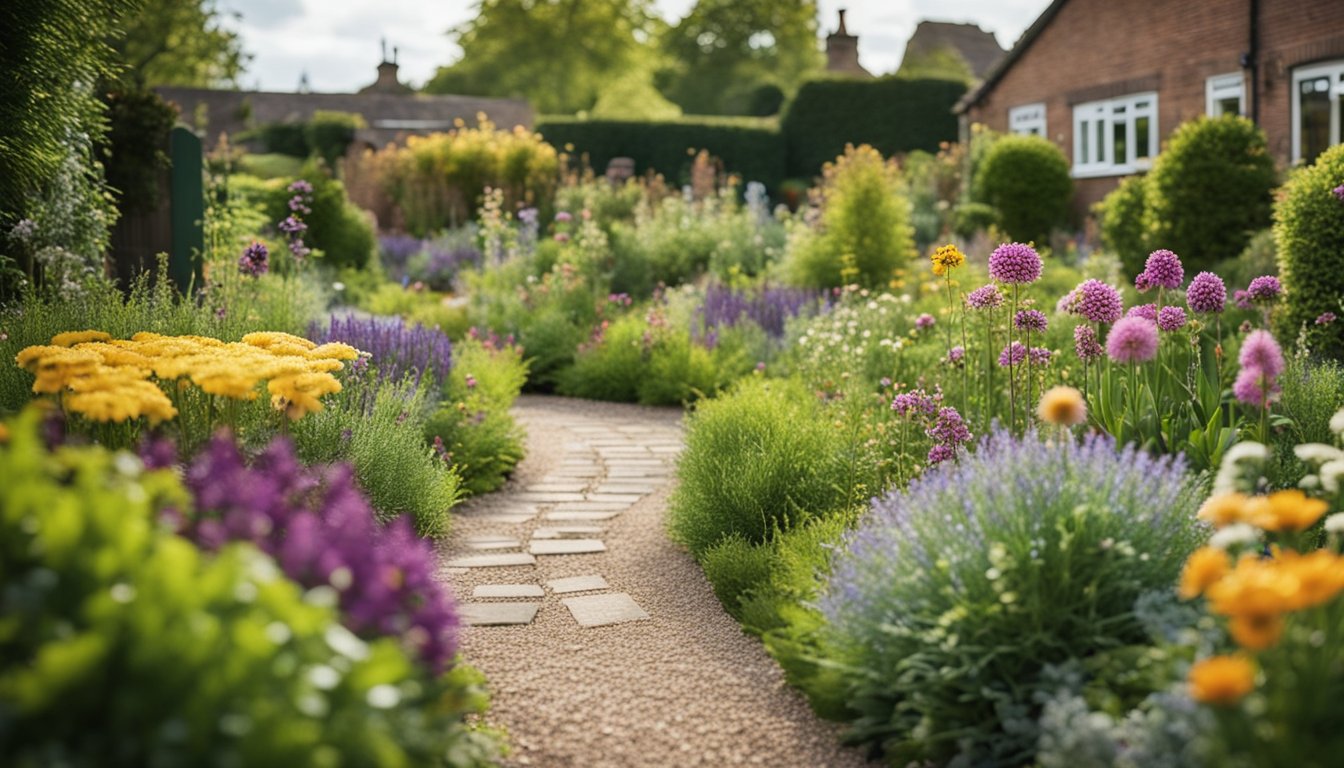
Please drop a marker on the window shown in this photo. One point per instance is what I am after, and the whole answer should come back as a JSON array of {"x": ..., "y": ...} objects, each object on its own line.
[
  {"x": 1029, "y": 119},
  {"x": 1318, "y": 109},
  {"x": 1225, "y": 95},
  {"x": 1115, "y": 136}
]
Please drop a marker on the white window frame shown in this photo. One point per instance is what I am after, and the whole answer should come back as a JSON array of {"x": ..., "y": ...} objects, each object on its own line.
[
  {"x": 1027, "y": 119},
  {"x": 1221, "y": 87},
  {"x": 1125, "y": 110},
  {"x": 1335, "y": 71}
]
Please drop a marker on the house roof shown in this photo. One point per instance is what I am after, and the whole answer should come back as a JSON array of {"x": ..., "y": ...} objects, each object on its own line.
[
  {"x": 1006, "y": 62},
  {"x": 976, "y": 46}
]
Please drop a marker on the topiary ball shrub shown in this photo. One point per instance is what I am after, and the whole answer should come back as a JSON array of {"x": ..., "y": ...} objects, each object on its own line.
[
  {"x": 1309, "y": 230},
  {"x": 953, "y": 595},
  {"x": 763, "y": 458},
  {"x": 1120, "y": 218},
  {"x": 1209, "y": 190},
  {"x": 1026, "y": 179}
]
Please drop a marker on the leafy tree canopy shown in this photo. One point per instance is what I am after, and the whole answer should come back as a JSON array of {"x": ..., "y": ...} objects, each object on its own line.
[{"x": 181, "y": 42}]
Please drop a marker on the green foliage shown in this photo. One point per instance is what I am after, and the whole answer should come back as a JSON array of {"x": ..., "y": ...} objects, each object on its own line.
[
  {"x": 1209, "y": 190},
  {"x": 329, "y": 133},
  {"x": 134, "y": 156},
  {"x": 1309, "y": 230},
  {"x": 1121, "y": 218},
  {"x": 1260, "y": 257},
  {"x": 735, "y": 566},
  {"x": 181, "y": 42},
  {"x": 760, "y": 459},
  {"x": 340, "y": 229},
  {"x": 270, "y": 165},
  {"x": 864, "y": 233},
  {"x": 280, "y": 138},
  {"x": 749, "y": 147},
  {"x": 895, "y": 115},
  {"x": 942, "y": 63},
  {"x": 473, "y": 422},
  {"x": 1313, "y": 391},
  {"x": 123, "y": 644},
  {"x": 424, "y": 307},
  {"x": 632, "y": 96},
  {"x": 1026, "y": 179}
]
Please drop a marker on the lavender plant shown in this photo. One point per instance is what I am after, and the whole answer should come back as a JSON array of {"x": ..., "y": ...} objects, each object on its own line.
[{"x": 396, "y": 349}]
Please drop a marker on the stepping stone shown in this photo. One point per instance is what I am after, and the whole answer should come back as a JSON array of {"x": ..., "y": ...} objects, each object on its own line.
[
  {"x": 637, "y": 473},
  {"x": 492, "y": 542},
  {"x": 549, "y": 497},
  {"x": 592, "y": 506},
  {"x": 624, "y": 488},
  {"x": 561, "y": 531},
  {"x": 556, "y": 487},
  {"x": 625, "y": 463},
  {"x": 566, "y": 546},
  {"x": 577, "y": 584},
  {"x": 503, "y": 519},
  {"x": 497, "y": 614},
  {"x": 586, "y": 517},
  {"x": 623, "y": 452},
  {"x": 593, "y": 429},
  {"x": 508, "y": 590},
  {"x": 613, "y": 498},
  {"x": 600, "y": 610},
  {"x": 495, "y": 560},
  {"x": 577, "y": 461},
  {"x": 569, "y": 473}
]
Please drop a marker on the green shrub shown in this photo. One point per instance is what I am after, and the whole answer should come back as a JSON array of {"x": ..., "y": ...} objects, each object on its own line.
[
  {"x": 971, "y": 218},
  {"x": 1026, "y": 179},
  {"x": 763, "y": 458},
  {"x": 280, "y": 138},
  {"x": 952, "y": 597},
  {"x": 473, "y": 422},
  {"x": 1260, "y": 257},
  {"x": 270, "y": 165},
  {"x": 1309, "y": 230},
  {"x": 611, "y": 367},
  {"x": 329, "y": 134},
  {"x": 1120, "y": 217},
  {"x": 895, "y": 115},
  {"x": 1209, "y": 190},
  {"x": 123, "y": 644},
  {"x": 749, "y": 147},
  {"x": 734, "y": 566},
  {"x": 864, "y": 233}
]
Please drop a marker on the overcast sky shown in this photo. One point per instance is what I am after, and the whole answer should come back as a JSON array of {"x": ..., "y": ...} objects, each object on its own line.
[{"x": 336, "y": 42}]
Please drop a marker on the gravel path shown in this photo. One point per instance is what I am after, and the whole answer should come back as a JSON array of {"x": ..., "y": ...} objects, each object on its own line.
[{"x": 665, "y": 677}]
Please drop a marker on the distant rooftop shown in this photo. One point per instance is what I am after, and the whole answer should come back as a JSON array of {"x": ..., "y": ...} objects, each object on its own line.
[{"x": 976, "y": 46}]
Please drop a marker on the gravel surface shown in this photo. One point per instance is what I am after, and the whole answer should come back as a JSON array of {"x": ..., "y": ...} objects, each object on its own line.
[{"x": 684, "y": 687}]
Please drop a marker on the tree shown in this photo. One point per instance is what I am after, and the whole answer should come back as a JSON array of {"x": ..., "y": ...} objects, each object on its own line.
[
  {"x": 557, "y": 54},
  {"x": 181, "y": 42},
  {"x": 724, "y": 50}
]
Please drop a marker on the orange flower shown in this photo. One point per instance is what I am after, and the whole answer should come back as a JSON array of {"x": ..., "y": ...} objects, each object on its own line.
[
  {"x": 1285, "y": 511},
  {"x": 1224, "y": 509},
  {"x": 1320, "y": 576},
  {"x": 1221, "y": 680},
  {"x": 1205, "y": 567},
  {"x": 1063, "y": 406},
  {"x": 1256, "y": 631}
]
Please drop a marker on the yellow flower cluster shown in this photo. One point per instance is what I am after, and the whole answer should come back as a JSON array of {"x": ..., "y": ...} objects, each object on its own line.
[
  {"x": 1257, "y": 593},
  {"x": 947, "y": 258},
  {"x": 108, "y": 379},
  {"x": 1281, "y": 511}
]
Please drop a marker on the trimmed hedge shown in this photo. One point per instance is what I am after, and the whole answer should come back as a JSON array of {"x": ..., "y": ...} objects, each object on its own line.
[
  {"x": 751, "y": 148},
  {"x": 1309, "y": 231},
  {"x": 1026, "y": 179},
  {"x": 894, "y": 115}
]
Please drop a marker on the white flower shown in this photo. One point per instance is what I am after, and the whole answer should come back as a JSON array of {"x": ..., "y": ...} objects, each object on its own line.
[
  {"x": 1332, "y": 475},
  {"x": 1337, "y": 422},
  {"x": 1249, "y": 450},
  {"x": 1318, "y": 453},
  {"x": 1234, "y": 535},
  {"x": 1335, "y": 523}
]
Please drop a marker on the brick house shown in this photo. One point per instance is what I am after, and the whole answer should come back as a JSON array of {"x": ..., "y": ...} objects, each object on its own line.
[{"x": 1109, "y": 80}]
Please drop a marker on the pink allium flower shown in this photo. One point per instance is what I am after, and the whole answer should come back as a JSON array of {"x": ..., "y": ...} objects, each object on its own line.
[
  {"x": 924, "y": 321},
  {"x": 1030, "y": 320},
  {"x": 1260, "y": 352},
  {"x": 985, "y": 297},
  {"x": 1039, "y": 355},
  {"x": 1013, "y": 354},
  {"x": 1085, "y": 343},
  {"x": 1264, "y": 288},
  {"x": 1242, "y": 299},
  {"x": 1132, "y": 340},
  {"x": 1163, "y": 270},
  {"x": 1171, "y": 319},
  {"x": 955, "y": 354},
  {"x": 1015, "y": 263},
  {"x": 1254, "y": 388},
  {"x": 1143, "y": 282},
  {"x": 1146, "y": 311},
  {"x": 1207, "y": 294},
  {"x": 1096, "y": 301}
]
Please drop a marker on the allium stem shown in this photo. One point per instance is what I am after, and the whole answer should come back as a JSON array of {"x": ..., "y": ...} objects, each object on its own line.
[{"x": 1012, "y": 378}]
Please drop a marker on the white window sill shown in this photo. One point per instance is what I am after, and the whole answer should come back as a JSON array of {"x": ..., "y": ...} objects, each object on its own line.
[{"x": 1098, "y": 172}]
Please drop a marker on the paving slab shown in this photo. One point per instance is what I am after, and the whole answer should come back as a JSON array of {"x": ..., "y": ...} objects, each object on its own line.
[
  {"x": 494, "y": 560},
  {"x": 625, "y": 488},
  {"x": 592, "y": 506},
  {"x": 497, "y": 614},
  {"x": 563, "y": 531},
  {"x": 566, "y": 546},
  {"x": 503, "y": 519},
  {"x": 601, "y": 610},
  {"x": 492, "y": 542},
  {"x": 573, "y": 487},
  {"x": 577, "y": 584},
  {"x": 550, "y": 497},
  {"x": 507, "y": 590},
  {"x": 621, "y": 473},
  {"x": 587, "y": 517},
  {"x": 613, "y": 498}
]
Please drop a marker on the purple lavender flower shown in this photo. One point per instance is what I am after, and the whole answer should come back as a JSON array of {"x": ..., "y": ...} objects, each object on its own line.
[
  {"x": 1039, "y": 355},
  {"x": 768, "y": 307},
  {"x": 1207, "y": 294},
  {"x": 395, "y": 348},
  {"x": 396, "y": 251},
  {"x": 1097, "y": 301},
  {"x": 1015, "y": 263},
  {"x": 1013, "y": 354},
  {"x": 298, "y": 249},
  {"x": 299, "y": 204},
  {"x": 1325, "y": 318},
  {"x": 1265, "y": 288},
  {"x": 1163, "y": 270},
  {"x": 1146, "y": 311},
  {"x": 1171, "y": 318},
  {"x": 1085, "y": 343},
  {"x": 301, "y": 187},
  {"x": 924, "y": 321},
  {"x": 985, "y": 297},
  {"x": 1030, "y": 320},
  {"x": 254, "y": 261},
  {"x": 1132, "y": 340}
]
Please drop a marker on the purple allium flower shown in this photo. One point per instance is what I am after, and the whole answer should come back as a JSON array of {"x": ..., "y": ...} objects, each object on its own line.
[
  {"x": 949, "y": 429},
  {"x": 1338, "y": 192},
  {"x": 1097, "y": 301},
  {"x": 1261, "y": 353},
  {"x": 1085, "y": 343},
  {"x": 564, "y": 216},
  {"x": 1015, "y": 263},
  {"x": 1143, "y": 282},
  {"x": 1170, "y": 319},
  {"x": 1163, "y": 270},
  {"x": 985, "y": 297},
  {"x": 1132, "y": 340},
  {"x": 292, "y": 226},
  {"x": 938, "y": 453},
  {"x": 1013, "y": 354},
  {"x": 1039, "y": 355},
  {"x": 1030, "y": 320},
  {"x": 1264, "y": 288},
  {"x": 1242, "y": 299},
  {"x": 914, "y": 403},
  {"x": 253, "y": 262},
  {"x": 924, "y": 321},
  {"x": 1207, "y": 294},
  {"x": 955, "y": 354},
  {"x": 1325, "y": 318},
  {"x": 1146, "y": 311}
]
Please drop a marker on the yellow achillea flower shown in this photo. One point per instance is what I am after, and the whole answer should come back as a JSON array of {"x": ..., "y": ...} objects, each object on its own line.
[
  {"x": 1224, "y": 509},
  {"x": 1285, "y": 511},
  {"x": 1063, "y": 406},
  {"x": 1205, "y": 567},
  {"x": 1221, "y": 680},
  {"x": 1319, "y": 574},
  {"x": 71, "y": 338},
  {"x": 1254, "y": 595},
  {"x": 267, "y": 339},
  {"x": 947, "y": 258},
  {"x": 334, "y": 350}
]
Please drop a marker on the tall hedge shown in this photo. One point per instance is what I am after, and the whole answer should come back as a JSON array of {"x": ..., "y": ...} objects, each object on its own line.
[
  {"x": 1309, "y": 232},
  {"x": 894, "y": 115},
  {"x": 1026, "y": 179},
  {"x": 750, "y": 148}
]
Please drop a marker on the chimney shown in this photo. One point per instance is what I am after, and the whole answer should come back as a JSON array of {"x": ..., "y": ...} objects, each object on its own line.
[
  {"x": 842, "y": 51},
  {"x": 388, "y": 81}
]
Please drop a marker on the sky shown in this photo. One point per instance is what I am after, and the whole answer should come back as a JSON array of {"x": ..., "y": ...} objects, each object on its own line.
[{"x": 336, "y": 42}]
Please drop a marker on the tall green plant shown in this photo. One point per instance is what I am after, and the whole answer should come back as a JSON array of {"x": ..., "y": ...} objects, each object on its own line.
[{"x": 1309, "y": 230}]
